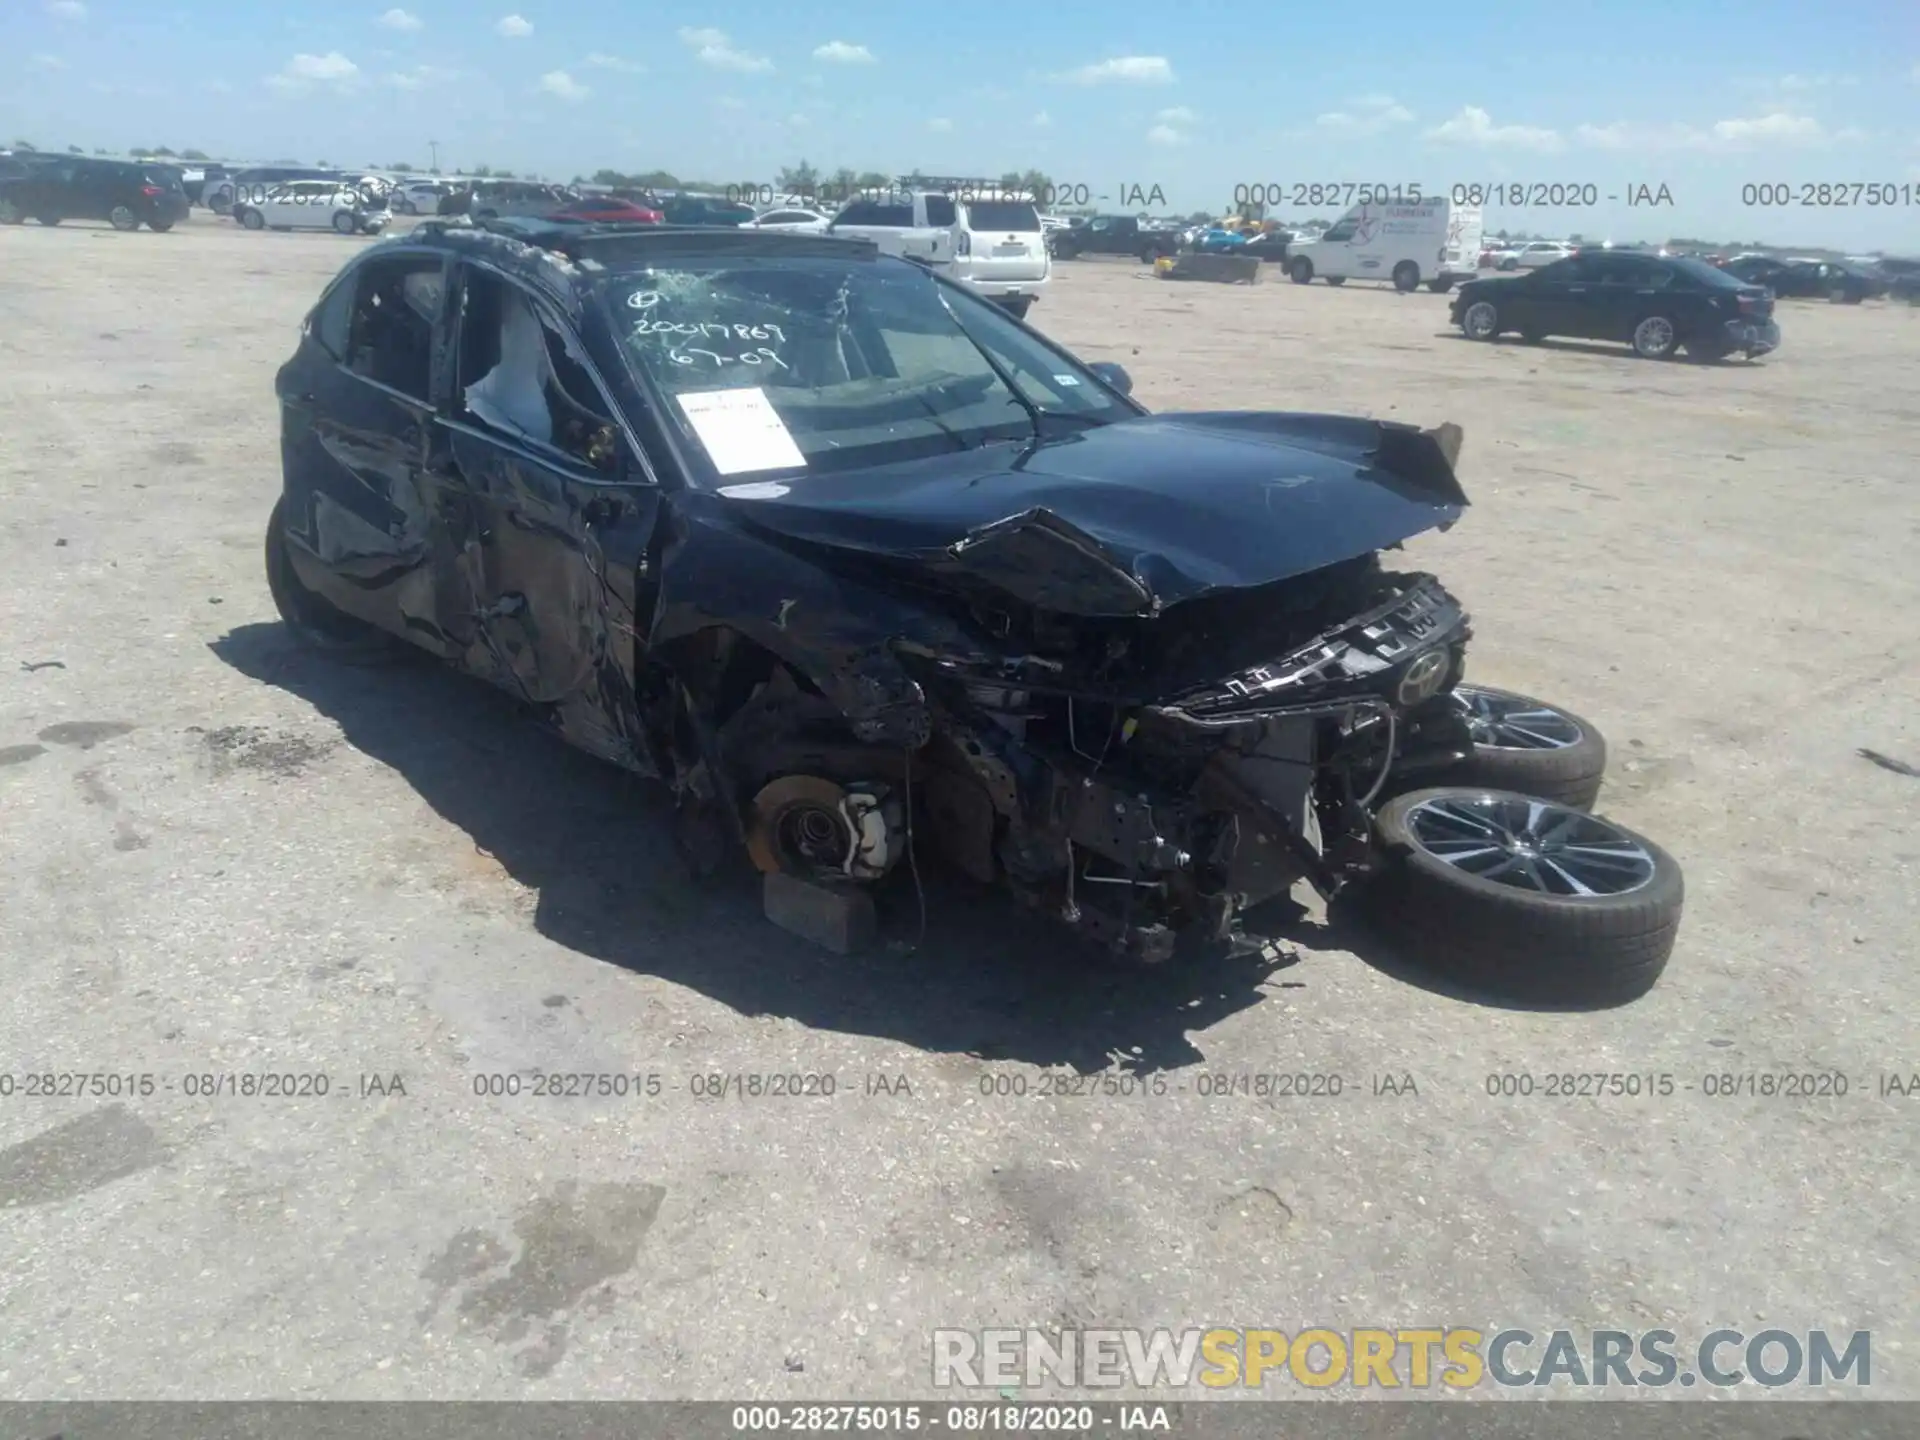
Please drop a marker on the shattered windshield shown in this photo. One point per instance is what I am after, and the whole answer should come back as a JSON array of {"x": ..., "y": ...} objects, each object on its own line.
[{"x": 833, "y": 364}]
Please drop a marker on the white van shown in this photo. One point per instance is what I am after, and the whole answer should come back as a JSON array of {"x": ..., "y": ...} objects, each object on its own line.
[
  {"x": 995, "y": 247},
  {"x": 1429, "y": 242}
]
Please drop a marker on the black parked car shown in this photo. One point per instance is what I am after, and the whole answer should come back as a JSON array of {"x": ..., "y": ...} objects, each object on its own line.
[
  {"x": 853, "y": 562},
  {"x": 713, "y": 210},
  {"x": 122, "y": 192},
  {"x": 1659, "y": 305},
  {"x": 1808, "y": 279},
  {"x": 1112, "y": 235}
]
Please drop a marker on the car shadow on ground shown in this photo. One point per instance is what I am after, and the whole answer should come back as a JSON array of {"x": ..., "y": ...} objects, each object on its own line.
[
  {"x": 1599, "y": 348},
  {"x": 990, "y": 978}
]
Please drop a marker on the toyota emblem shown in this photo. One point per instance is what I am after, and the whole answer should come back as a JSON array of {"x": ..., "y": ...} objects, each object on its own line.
[{"x": 1422, "y": 679}]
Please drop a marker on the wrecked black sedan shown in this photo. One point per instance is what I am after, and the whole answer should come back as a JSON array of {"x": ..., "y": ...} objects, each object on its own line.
[{"x": 856, "y": 563}]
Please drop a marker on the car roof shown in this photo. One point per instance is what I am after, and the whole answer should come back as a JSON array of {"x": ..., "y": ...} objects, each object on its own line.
[{"x": 563, "y": 256}]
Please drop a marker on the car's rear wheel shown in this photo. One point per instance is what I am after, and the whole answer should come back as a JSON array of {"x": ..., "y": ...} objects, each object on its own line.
[
  {"x": 1336, "y": 279},
  {"x": 1655, "y": 338},
  {"x": 253, "y": 220},
  {"x": 1527, "y": 745},
  {"x": 315, "y": 623},
  {"x": 161, "y": 225},
  {"x": 121, "y": 217},
  {"x": 1018, "y": 306},
  {"x": 1525, "y": 897},
  {"x": 1406, "y": 277},
  {"x": 1481, "y": 321},
  {"x": 1439, "y": 287},
  {"x": 1300, "y": 270}
]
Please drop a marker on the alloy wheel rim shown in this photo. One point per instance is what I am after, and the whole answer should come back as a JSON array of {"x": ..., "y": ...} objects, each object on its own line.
[
  {"x": 1480, "y": 318},
  {"x": 1531, "y": 845},
  {"x": 1514, "y": 722},
  {"x": 1655, "y": 334},
  {"x": 121, "y": 217}
]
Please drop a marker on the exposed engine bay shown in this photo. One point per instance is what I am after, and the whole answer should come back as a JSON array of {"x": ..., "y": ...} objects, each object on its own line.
[{"x": 1141, "y": 778}]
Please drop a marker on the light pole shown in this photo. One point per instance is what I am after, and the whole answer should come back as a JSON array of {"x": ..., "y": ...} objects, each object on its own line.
[{"x": 434, "y": 146}]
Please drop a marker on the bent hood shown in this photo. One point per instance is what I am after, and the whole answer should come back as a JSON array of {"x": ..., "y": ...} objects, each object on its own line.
[{"x": 1129, "y": 518}]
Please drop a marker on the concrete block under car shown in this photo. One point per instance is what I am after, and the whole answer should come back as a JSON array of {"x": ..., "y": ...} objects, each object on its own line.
[{"x": 839, "y": 918}]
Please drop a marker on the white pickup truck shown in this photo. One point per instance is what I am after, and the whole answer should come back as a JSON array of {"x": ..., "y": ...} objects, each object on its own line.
[{"x": 995, "y": 247}]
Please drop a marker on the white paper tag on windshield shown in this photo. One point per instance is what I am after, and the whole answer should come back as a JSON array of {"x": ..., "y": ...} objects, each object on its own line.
[{"x": 741, "y": 430}]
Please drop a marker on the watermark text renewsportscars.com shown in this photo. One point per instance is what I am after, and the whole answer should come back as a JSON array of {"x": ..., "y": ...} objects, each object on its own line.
[{"x": 1402, "y": 1358}]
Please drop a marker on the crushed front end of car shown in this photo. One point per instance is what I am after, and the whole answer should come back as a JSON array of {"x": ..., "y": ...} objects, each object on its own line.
[{"x": 1177, "y": 696}]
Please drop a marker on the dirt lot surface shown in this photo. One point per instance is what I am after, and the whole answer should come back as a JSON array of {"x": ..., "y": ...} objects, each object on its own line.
[{"x": 223, "y": 858}]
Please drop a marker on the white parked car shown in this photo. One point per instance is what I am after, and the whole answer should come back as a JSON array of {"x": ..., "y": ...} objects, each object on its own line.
[
  {"x": 1535, "y": 253},
  {"x": 419, "y": 197},
  {"x": 996, "y": 248},
  {"x": 312, "y": 205},
  {"x": 791, "y": 219}
]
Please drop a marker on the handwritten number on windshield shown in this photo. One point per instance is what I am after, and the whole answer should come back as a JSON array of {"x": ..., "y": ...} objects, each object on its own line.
[{"x": 684, "y": 355}]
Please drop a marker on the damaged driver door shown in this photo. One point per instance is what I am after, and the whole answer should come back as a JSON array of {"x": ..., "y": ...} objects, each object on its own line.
[{"x": 562, "y": 514}]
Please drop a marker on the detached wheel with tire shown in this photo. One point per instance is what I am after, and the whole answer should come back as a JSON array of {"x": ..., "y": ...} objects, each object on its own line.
[
  {"x": 1526, "y": 898},
  {"x": 315, "y": 623},
  {"x": 1406, "y": 277},
  {"x": 1300, "y": 270},
  {"x": 1529, "y": 746},
  {"x": 1656, "y": 338}
]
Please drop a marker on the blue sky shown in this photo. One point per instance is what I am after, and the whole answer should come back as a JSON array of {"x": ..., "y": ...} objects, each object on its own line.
[{"x": 1109, "y": 95}]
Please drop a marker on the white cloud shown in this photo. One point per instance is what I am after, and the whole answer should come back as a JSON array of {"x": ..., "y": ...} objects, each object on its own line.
[
  {"x": 940, "y": 127},
  {"x": 401, "y": 20},
  {"x": 713, "y": 47},
  {"x": 613, "y": 62},
  {"x": 562, "y": 86},
  {"x": 1779, "y": 128},
  {"x": 839, "y": 52},
  {"x": 514, "y": 27},
  {"x": 1127, "y": 69},
  {"x": 48, "y": 62},
  {"x": 1365, "y": 115},
  {"x": 66, "y": 9},
  {"x": 419, "y": 77},
  {"x": 1176, "y": 115},
  {"x": 303, "y": 72},
  {"x": 1473, "y": 126},
  {"x": 1166, "y": 137},
  {"x": 1042, "y": 120}
]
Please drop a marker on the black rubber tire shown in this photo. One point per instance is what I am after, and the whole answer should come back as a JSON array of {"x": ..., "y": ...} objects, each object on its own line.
[
  {"x": 1406, "y": 277},
  {"x": 160, "y": 226},
  {"x": 252, "y": 220},
  {"x": 1569, "y": 776},
  {"x": 1300, "y": 270},
  {"x": 1018, "y": 308},
  {"x": 48, "y": 220},
  {"x": 130, "y": 223},
  {"x": 1336, "y": 279},
  {"x": 1439, "y": 287},
  {"x": 1532, "y": 337},
  {"x": 318, "y": 626},
  {"x": 1648, "y": 353},
  {"x": 1590, "y": 952},
  {"x": 350, "y": 225}
]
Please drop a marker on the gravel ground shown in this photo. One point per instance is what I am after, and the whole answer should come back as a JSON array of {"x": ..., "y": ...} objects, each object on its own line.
[{"x": 224, "y": 858}]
